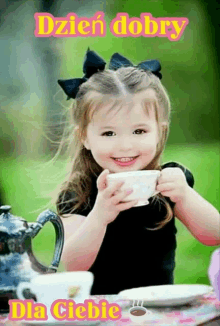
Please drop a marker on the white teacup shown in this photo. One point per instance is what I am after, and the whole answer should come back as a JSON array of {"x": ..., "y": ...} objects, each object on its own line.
[
  {"x": 142, "y": 182},
  {"x": 49, "y": 287}
]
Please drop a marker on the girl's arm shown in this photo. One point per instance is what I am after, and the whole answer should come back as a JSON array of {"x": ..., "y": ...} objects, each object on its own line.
[
  {"x": 83, "y": 239},
  {"x": 84, "y": 235},
  {"x": 199, "y": 216}
]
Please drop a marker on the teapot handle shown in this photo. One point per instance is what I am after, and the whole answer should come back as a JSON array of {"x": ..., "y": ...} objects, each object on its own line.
[{"x": 33, "y": 230}]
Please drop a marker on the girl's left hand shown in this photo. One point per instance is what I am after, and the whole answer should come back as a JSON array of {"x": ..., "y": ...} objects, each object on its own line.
[{"x": 172, "y": 183}]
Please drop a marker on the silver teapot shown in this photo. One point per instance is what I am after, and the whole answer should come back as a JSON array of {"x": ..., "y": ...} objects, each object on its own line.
[{"x": 17, "y": 262}]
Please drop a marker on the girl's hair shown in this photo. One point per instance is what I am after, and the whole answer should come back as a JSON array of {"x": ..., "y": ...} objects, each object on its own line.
[{"x": 117, "y": 88}]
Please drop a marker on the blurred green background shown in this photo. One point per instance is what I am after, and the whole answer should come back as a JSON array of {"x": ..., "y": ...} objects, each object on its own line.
[{"x": 32, "y": 103}]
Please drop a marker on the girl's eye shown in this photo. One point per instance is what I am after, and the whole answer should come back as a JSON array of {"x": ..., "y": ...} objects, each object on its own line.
[
  {"x": 108, "y": 133},
  {"x": 140, "y": 131}
]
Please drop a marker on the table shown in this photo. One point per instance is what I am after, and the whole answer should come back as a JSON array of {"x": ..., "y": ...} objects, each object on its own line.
[{"x": 204, "y": 311}]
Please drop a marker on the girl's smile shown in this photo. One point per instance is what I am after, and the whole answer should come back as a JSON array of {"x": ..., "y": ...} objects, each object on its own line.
[
  {"x": 125, "y": 161},
  {"x": 123, "y": 140}
]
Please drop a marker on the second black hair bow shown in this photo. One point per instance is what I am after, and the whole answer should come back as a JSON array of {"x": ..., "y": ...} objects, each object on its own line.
[
  {"x": 92, "y": 64},
  {"x": 117, "y": 61}
]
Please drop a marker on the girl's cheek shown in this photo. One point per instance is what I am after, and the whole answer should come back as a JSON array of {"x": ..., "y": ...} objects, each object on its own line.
[
  {"x": 108, "y": 147},
  {"x": 104, "y": 151},
  {"x": 150, "y": 146}
]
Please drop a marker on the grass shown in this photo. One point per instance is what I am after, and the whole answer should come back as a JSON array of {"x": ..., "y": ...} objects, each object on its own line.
[{"x": 23, "y": 181}]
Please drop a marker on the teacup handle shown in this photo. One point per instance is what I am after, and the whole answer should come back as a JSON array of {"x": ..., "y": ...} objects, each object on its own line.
[{"x": 20, "y": 290}]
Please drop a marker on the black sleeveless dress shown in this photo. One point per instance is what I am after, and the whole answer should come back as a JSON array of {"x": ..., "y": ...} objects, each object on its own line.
[{"x": 131, "y": 255}]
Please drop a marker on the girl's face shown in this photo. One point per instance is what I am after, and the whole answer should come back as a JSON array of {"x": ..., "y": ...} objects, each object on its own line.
[{"x": 125, "y": 140}]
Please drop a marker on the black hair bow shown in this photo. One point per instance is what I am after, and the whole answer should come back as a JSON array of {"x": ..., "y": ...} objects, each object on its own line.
[
  {"x": 117, "y": 61},
  {"x": 92, "y": 64}
]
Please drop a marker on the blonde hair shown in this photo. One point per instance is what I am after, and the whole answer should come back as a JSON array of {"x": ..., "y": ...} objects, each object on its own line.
[{"x": 111, "y": 87}]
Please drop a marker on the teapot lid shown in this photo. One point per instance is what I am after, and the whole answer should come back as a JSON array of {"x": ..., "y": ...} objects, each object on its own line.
[
  {"x": 11, "y": 224},
  {"x": 5, "y": 209}
]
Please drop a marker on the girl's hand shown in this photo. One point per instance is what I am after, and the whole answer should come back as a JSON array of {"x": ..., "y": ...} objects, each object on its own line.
[
  {"x": 109, "y": 202},
  {"x": 172, "y": 183}
]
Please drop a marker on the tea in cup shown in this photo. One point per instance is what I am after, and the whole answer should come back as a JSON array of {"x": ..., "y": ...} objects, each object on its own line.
[{"x": 142, "y": 182}]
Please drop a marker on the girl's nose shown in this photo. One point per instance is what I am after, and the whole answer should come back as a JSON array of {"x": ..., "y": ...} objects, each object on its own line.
[{"x": 125, "y": 143}]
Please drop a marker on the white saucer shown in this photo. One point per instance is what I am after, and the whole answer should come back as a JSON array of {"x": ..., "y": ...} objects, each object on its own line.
[{"x": 166, "y": 295}]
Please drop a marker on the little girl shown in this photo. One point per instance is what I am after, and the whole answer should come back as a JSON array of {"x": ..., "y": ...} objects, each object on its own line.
[{"x": 121, "y": 122}]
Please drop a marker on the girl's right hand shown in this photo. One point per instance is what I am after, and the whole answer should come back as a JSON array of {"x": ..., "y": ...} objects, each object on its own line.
[{"x": 109, "y": 202}]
